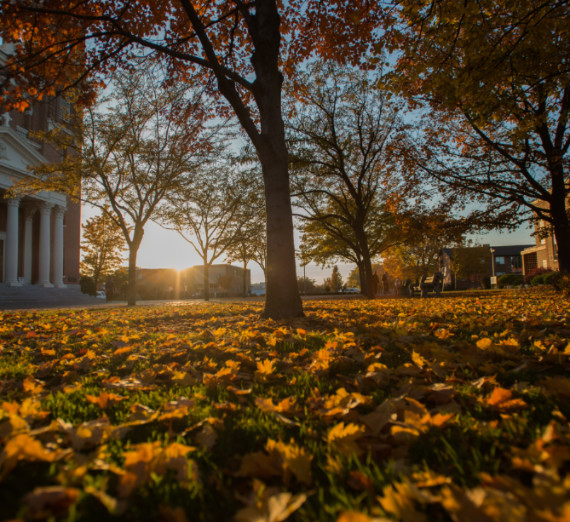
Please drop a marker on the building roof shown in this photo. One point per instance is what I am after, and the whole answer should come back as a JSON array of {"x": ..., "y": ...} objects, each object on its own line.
[{"x": 509, "y": 250}]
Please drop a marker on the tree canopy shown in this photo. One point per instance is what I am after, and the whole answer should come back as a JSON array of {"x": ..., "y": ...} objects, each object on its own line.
[
  {"x": 345, "y": 178},
  {"x": 497, "y": 73},
  {"x": 237, "y": 47}
]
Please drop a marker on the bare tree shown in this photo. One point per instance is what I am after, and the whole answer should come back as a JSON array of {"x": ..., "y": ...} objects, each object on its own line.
[
  {"x": 140, "y": 143},
  {"x": 208, "y": 214},
  {"x": 343, "y": 175}
]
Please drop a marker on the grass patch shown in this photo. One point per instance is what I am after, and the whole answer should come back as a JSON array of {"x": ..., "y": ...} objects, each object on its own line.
[{"x": 389, "y": 408}]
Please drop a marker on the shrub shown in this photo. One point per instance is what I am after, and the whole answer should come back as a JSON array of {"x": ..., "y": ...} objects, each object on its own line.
[
  {"x": 562, "y": 283},
  {"x": 552, "y": 278},
  {"x": 87, "y": 285},
  {"x": 533, "y": 273},
  {"x": 538, "y": 279},
  {"x": 510, "y": 280}
]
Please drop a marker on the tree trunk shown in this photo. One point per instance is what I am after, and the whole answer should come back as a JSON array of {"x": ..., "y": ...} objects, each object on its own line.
[
  {"x": 282, "y": 293},
  {"x": 132, "y": 288},
  {"x": 560, "y": 217},
  {"x": 244, "y": 278},
  {"x": 561, "y": 227},
  {"x": 367, "y": 285},
  {"x": 206, "y": 282}
]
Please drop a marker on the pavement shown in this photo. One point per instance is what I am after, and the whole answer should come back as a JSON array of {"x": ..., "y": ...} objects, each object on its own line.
[{"x": 33, "y": 297}]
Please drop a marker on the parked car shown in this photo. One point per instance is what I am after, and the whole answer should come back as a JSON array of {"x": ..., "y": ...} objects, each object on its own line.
[
  {"x": 101, "y": 294},
  {"x": 351, "y": 291}
]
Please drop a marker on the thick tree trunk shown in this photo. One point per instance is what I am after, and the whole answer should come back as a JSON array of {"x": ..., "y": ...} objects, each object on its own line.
[
  {"x": 560, "y": 213},
  {"x": 206, "y": 282},
  {"x": 561, "y": 227},
  {"x": 368, "y": 289},
  {"x": 282, "y": 292},
  {"x": 244, "y": 282},
  {"x": 132, "y": 288}
]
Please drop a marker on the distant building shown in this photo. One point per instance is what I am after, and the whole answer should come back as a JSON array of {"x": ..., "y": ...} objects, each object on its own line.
[
  {"x": 224, "y": 280},
  {"x": 159, "y": 283},
  {"x": 168, "y": 283},
  {"x": 481, "y": 263},
  {"x": 508, "y": 259},
  {"x": 543, "y": 254},
  {"x": 39, "y": 234}
]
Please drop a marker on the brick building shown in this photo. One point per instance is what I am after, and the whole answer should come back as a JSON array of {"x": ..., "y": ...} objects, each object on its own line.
[{"x": 39, "y": 234}]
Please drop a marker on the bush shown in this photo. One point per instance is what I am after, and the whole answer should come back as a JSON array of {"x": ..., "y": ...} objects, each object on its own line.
[
  {"x": 87, "y": 285},
  {"x": 552, "y": 278},
  {"x": 562, "y": 283},
  {"x": 539, "y": 279},
  {"x": 510, "y": 280},
  {"x": 533, "y": 273}
]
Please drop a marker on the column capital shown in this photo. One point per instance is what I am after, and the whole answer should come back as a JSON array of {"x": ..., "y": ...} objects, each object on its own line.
[
  {"x": 13, "y": 202},
  {"x": 59, "y": 210},
  {"x": 45, "y": 207}
]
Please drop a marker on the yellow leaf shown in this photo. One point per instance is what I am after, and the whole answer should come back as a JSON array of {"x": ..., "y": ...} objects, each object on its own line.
[
  {"x": 23, "y": 447},
  {"x": 32, "y": 386},
  {"x": 295, "y": 460},
  {"x": 343, "y": 438},
  {"x": 484, "y": 344},
  {"x": 265, "y": 367},
  {"x": 500, "y": 399},
  {"x": 274, "y": 508},
  {"x": 104, "y": 399}
]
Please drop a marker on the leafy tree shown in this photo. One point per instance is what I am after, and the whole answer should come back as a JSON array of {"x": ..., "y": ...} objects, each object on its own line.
[
  {"x": 470, "y": 261},
  {"x": 307, "y": 285},
  {"x": 208, "y": 214},
  {"x": 236, "y": 45},
  {"x": 425, "y": 236},
  {"x": 344, "y": 171},
  {"x": 497, "y": 73},
  {"x": 334, "y": 282},
  {"x": 134, "y": 149},
  {"x": 103, "y": 246},
  {"x": 249, "y": 227}
]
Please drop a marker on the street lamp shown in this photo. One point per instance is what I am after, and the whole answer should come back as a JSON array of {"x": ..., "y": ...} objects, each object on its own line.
[{"x": 493, "y": 279}]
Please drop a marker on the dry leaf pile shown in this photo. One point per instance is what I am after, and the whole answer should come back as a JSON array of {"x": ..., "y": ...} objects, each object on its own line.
[{"x": 402, "y": 409}]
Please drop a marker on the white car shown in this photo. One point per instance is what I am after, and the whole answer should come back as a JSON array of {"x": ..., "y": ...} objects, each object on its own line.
[{"x": 101, "y": 294}]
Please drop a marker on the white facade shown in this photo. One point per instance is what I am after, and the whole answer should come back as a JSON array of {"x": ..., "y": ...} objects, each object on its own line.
[{"x": 19, "y": 225}]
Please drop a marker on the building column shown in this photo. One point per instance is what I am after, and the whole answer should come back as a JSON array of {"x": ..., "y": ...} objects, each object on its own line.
[
  {"x": 12, "y": 232},
  {"x": 44, "y": 257},
  {"x": 58, "y": 247},
  {"x": 29, "y": 213}
]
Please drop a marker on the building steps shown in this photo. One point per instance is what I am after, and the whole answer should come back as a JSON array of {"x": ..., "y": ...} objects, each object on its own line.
[{"x": 29, "y": 296}]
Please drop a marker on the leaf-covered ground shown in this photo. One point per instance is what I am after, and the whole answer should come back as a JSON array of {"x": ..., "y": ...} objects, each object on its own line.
[{"x": 401, "y": 409}]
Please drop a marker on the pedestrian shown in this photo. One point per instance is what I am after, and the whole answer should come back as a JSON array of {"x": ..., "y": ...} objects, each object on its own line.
[
  {"x": 385, "y": 282},
  {"x": 375, "y": 283}
]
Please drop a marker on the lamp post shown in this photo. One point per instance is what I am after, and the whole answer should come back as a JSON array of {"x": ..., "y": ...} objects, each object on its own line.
[
  {"x": 304, "y": 262},
  {"x": 493, "y": 278}
]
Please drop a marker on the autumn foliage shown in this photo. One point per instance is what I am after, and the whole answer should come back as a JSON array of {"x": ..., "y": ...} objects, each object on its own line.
[{"x": 405, "y": 409}]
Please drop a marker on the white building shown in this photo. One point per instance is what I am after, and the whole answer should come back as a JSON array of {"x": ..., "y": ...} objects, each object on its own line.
[{"x": 39, "y": 234}]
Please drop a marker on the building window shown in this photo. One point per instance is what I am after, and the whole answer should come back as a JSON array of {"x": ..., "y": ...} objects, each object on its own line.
[
  {"x": 530, "y": 262},
  {"x": 516, "y": 262}
]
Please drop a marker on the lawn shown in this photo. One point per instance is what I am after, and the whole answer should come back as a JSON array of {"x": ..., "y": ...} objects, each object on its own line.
[{"x": 400, "y": 409}]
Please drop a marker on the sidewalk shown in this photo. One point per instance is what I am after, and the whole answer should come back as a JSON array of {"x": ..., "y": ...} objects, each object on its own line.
[{"x": 27, "y": 297}]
